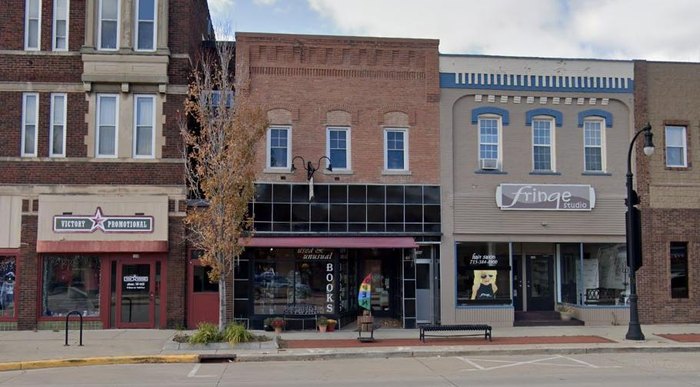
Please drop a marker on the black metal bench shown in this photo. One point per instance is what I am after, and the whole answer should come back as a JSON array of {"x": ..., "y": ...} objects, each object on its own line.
[{"x": 455, "y": 328}]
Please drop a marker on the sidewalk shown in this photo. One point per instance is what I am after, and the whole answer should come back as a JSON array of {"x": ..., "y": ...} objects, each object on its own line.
[{"x": 28, "y": 349}]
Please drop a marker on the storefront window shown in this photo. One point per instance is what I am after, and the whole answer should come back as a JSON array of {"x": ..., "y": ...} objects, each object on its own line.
[
  {"x": 679, "y": 270},
  {"x": 483, "y": 273},
  {"x": 7, "y": 286},
  {"x": 604, "y": 274},
  {"x": 295, "y": 281},
  {"x": 570, "y": 261},
  {"x": 71, "y": 283}
]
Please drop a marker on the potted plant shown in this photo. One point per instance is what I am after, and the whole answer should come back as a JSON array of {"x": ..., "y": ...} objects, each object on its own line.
[
  {"x": 277, "y": 323},
  {"x": 322, "y": 323},
  {"x": 331, "y": 324},
  {"x": 565, "y": 311}
]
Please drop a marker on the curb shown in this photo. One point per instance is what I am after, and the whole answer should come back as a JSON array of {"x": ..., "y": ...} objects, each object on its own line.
[
  {"x": 103, "y": 360},
  {"x": 409, "y": 353}
]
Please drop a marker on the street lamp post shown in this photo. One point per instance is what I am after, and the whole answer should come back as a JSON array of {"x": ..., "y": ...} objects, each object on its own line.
[{"x": 634, "y": 331}]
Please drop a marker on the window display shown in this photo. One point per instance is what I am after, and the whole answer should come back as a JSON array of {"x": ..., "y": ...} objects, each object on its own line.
[
  {"x": 71, "y": 283},
  {"x": 483, "y": 273},
  {"x": 7, "y": 286}
]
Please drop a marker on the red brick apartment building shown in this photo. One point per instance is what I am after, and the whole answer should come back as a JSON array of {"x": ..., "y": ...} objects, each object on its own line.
[
  {"x": 370, "y": 107},
  {"x": 666, "y": 95},
  {"x": 92, "y": 194}
]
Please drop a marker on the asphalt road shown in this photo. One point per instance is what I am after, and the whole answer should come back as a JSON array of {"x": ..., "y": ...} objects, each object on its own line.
[{"x": 632, "y": 369}]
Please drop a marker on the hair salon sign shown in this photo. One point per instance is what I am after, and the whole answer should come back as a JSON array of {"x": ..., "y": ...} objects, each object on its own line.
[
  {"x": 552, "y": 197},
  {"x": 104, "y": 223}
]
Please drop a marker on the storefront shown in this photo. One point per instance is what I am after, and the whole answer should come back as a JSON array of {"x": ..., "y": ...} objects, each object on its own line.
[
  {"x": 10, "y": 208},
  {"x": 104, "y": 257}
]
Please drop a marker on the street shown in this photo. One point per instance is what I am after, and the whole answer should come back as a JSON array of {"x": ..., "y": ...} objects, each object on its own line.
[{"x": 631, "y": 369}]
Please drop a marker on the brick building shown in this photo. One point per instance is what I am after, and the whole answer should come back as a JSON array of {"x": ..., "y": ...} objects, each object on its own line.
[
  {"x": 666, "y": 96},
  {"x": 92, "y": 193},
  {"x": 369, "y": 106}
]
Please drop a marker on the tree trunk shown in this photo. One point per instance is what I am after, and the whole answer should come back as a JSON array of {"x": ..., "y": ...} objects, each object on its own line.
[{"x": 222, "y": 302}]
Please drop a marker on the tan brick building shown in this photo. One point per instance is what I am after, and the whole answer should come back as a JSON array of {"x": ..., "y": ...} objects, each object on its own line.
[
  {"x": 92, "y": 194},
  {"x": 666, "y": 96}
]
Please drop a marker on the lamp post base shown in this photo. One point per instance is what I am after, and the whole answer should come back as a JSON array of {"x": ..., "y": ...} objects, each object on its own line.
[{"x": 634, "y": 332}]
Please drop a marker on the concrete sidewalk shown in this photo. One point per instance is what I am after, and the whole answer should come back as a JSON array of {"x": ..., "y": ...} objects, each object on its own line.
[{"x": 29, "y": 349}]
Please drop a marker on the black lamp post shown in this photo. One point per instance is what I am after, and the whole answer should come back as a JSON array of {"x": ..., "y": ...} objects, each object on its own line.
[
  {"x": 310, "y": 170},
  {"x": 633, "y": 230}
]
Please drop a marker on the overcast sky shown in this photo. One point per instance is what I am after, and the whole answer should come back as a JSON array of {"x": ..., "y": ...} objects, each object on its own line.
[{"x": 606, "y": 29}]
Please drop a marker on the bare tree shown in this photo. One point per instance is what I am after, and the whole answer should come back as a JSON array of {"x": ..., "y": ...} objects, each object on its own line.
[{"x": 220, "y": 143}]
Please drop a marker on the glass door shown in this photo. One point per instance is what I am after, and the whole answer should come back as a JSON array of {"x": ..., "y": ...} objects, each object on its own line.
[
  {"x": 424, "y": 291},
  {"x": 540, "y": 283},
  {"x": 135, "y": 295}
]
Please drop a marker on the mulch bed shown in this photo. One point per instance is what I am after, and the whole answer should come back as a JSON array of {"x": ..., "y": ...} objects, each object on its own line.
[
  {"x": 681, "y": 337},
  {"x": 352, "y": 343}
]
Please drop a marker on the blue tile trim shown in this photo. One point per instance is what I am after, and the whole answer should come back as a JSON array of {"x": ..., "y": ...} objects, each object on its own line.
[
  {"x": 536, "y": 83},
  {"x": 490, "y": 110},
  {"x": 595, "y": 113},
  {"x": 558, "y": 117}
]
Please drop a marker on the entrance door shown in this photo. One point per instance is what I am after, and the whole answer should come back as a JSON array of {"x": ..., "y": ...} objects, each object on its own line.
[
  {"x": 540, "y": 282},
  {"x": 135, "y": 295},
  {"x": 424, "y": 291},
  {"x": 202, "y": 295}
]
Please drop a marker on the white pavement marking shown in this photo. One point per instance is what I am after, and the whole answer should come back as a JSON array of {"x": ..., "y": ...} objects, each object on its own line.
[
  {"x": 542, "y": 362},
  {"x": 193, "y": 373}
]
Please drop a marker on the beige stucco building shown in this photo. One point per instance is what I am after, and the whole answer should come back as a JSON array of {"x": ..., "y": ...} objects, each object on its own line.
[{"x": 533, "y": 165}]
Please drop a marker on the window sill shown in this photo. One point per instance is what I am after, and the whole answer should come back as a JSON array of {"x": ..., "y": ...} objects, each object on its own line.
[
  {"x": 339, "y": 172},
  {"x": 596, "y": 174},
  {"x": 390, "y": 172},
  {"x": 545, "y": 173},
  {"x": 490, "y": 172},
  {"x": 279, "y": 171}
]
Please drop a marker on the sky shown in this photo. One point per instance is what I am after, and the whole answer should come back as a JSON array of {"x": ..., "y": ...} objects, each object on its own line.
[{"x": 659, "y": 30}]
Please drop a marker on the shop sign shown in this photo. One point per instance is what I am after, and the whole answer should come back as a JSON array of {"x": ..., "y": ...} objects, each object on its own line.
[
  {"x": 330, "y": 288},
  {"x": 135, "y": 282},
  {"x": 104, "y": 223},
  {"x": 546, "y": 197},
  {"x": 311, "y": 254}
]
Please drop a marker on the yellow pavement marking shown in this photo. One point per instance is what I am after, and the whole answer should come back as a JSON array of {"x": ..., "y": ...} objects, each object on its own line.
[{"x": 104, "y": 360}]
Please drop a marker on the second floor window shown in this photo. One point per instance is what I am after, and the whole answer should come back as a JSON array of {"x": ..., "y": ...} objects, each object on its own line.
[
  {"x": 489, "y": 143},
  {"x": 107, "y": 108},
  {"x": 676, "y": 150},
  {"x": 542, "y": 145},
  {"x": 57, "y": 140},
  {"x": 396, "y": 149},
  {"x": 30, "y": 118},
  {"x": 60, "y": 25},
  {"x": 108, "y": 34},
  {"x": 338, "y": 147},
  {"x": 278, "y": 147},
  {"x": 593, "y": 146},
  {"x": 146, "y": 25},
  {"x": 144, "y": 108},
  {"x": 32, "y": 24}
]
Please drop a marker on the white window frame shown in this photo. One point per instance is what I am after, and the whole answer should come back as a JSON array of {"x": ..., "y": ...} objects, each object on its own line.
[
  {"x": 26, "y": 27},
  {"x": 116, "y": 126},
  {"x": 99, "y": 26},
  {"x": 551, "y": 145},
  {"x": 603, "y": 159},
  {"x": 683, "y": 146},
  {"x": 54, "y": 124},
  {"x": 499, "y": 144},
  {"x": 26, "y": 96},
  {"x": 348, "y": 146},
  {"x": 136, "y": 126},
  {"x": 155, "y": 27},
  {"x": 269, "y": 147},
  {"x": 405, "y": 149},
  {"x": 56, "y": 19}
]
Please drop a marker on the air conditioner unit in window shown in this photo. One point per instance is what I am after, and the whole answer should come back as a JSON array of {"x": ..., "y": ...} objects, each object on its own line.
[{"x": 489, "y": 163}]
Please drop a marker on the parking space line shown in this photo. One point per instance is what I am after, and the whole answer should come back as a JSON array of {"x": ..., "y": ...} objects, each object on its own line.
[
  {"x": 193, "y": 373},
  {"x": 471, "y": 363}
]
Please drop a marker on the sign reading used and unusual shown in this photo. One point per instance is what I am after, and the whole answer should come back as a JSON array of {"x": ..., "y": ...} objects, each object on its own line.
[
  {"x": 107, "y": 224},
  {"x": 312, "y": 254},
  {"x": 552, "y": 197}
]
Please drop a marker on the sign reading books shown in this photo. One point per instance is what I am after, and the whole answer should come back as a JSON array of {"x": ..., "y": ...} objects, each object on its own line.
[
  {"x": 104, "y": 223},
  {"x": 552, "y": 197}
]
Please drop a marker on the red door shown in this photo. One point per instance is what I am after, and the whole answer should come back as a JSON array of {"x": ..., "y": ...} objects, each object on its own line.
[
  {"x": 135, "y": 295},
  {"x": 202, "y": 295}
]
